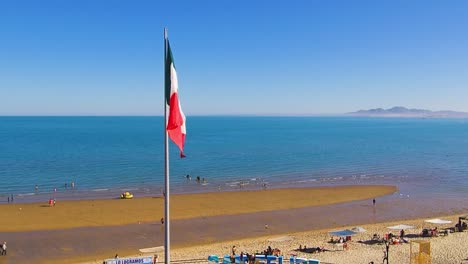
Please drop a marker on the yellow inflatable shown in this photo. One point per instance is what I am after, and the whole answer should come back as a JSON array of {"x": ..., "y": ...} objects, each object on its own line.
[{"x": 126, "y": 195}]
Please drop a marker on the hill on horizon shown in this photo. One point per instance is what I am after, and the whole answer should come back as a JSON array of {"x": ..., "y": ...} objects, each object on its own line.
[{"x": 400, "y": 111}]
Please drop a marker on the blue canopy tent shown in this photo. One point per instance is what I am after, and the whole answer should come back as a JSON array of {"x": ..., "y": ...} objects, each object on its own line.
[{"x": 342, "y": 233}]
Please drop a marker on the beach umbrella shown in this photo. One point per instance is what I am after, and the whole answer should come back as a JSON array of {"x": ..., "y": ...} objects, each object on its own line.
[
  {"x": 345, "y": 232},
  {"x": 438, "y": 221},
  {"x": 399, "y": 227},
  {"x": 358, "y": 229}
]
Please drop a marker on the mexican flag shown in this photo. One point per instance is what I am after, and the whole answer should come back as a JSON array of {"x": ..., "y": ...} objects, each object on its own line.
[{"x": 175, "y": 126}]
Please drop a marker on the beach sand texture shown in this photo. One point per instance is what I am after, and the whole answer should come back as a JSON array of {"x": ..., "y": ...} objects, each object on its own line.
[
  {"x": 63, "y": 235},
  {"x": 449, "y": 249}
]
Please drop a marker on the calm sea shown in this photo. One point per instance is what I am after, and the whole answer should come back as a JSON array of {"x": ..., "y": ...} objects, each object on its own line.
[{"x": 104, "y": 156}]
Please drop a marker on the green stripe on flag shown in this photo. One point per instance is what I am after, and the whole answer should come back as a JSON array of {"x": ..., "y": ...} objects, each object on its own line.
[{"x": 169, "y": 61}]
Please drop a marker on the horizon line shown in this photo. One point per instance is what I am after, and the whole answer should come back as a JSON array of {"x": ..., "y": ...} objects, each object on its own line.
[{"x": 145, "y": 115}]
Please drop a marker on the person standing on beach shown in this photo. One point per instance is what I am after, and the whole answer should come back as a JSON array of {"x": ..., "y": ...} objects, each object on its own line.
[
  {"x": 373, "y": 201},
  {"x": 4, "y": 248},
  {"x": 162, "y": 224}
]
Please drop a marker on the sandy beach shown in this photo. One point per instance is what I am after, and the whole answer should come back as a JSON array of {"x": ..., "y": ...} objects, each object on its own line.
[
  {"x": 88, "y": 231},
  {"x": 444, "y": 249},
  {"x": 111, "y": 212}
]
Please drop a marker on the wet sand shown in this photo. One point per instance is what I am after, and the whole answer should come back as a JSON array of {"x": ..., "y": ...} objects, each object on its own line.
[{"x": 111, "y": 212}]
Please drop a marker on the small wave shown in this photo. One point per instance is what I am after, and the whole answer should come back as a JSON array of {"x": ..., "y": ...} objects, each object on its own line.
[
  {"x": 26, "y": 194},
  {"x": 130, "y": 189},
  {"x": 100, "y": 190},
  {"x": 304, "y": 181}
]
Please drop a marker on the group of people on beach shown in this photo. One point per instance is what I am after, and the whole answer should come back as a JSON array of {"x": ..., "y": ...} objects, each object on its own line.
[
  {"x": 199, "y": 180},
  {"x": 250, "y": 258},
  {"x": 72, "y": 186},
  {"x": 394, "y": 239},
  {"x": 311, "y": 249}
]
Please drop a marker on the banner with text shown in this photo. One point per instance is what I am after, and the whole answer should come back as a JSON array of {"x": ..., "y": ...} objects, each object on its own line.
[{"x": 136, "y": 260}]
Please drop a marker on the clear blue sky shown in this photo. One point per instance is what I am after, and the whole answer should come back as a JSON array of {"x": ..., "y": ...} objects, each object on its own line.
[{"x": 233, "y": 57}]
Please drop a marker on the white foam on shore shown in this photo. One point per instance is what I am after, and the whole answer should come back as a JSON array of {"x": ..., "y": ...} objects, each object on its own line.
[
  {"x": 304, "y": 181},
  {"x": 26, "y": 194},
  {"x": 100, "y": 190}
]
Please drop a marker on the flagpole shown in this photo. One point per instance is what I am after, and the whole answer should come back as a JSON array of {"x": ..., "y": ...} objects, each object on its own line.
[{"x": 167, "y": 244}]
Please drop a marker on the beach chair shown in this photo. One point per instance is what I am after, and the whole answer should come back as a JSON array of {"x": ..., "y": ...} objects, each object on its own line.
[
  {"x": 280, "y": 260},
  {"x": 213, "y": 258},
  {"x": 274, "y": 260},
  {"x": 243, "y": 261},
  {"x": 261, "y": 258},
  {"x": 292, "y": 260},
  {"x": 227, "y": 259},
  {"x": 301, "y": 261},
  {"x": 314, "y": 261}
]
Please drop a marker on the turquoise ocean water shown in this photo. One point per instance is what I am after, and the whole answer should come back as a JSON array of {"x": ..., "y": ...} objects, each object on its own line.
[{"x": 107, "y": 155}]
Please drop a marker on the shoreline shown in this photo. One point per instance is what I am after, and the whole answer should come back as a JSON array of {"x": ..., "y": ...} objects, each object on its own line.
[{"x": 186, "y": 187}]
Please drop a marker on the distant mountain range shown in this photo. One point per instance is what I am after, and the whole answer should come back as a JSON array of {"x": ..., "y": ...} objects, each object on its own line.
[{"x": 399, "y": 111}]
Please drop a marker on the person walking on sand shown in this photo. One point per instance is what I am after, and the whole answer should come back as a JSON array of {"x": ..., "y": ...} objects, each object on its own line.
[
  {"x": 4, "y": 248},
  {"x": 373, "y": 201}
]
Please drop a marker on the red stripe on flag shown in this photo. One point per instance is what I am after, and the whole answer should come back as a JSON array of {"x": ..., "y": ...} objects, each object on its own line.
[{"x": 174, "y": 124}]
